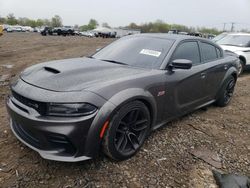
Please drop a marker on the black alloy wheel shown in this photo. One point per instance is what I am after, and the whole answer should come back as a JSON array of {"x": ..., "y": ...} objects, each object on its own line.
[
  {"x": 127, "y": 131},
  {"x": 226, "y": 92},
  {"x": 229, "y": 91}
]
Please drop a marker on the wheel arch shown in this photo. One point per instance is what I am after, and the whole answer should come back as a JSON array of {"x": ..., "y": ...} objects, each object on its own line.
[
  {"x": 93, "y": 141},
  {"x": 134, "y": 94},
  {"x": 231, "y": 72},
  {"x": 242, "y": 58},
  {"x": 234, "y": 74}
]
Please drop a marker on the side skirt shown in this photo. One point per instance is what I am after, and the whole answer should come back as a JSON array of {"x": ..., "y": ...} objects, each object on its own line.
[{"x": 186, "y": 113}]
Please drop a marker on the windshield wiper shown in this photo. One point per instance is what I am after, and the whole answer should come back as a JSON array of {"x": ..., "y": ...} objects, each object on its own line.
[{"x": 113, "y": 61}]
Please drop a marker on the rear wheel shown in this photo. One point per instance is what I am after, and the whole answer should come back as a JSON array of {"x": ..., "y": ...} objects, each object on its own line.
[
  {"x": 127, "y": 131},
  {"x": 226, "y": 92}
]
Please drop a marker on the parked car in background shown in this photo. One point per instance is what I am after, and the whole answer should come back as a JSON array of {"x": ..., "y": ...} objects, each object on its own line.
[
  {"x": 46, "y": 31},
  {"x": 37, "y": 30},
  {"x": 64, "y": 31},
  {"x": 174, "y": 31},
  {"x": 220, "y": 36},
  {"x": 209, "y": 36},
  {"x": 105, "y": 32},
  {"x": 196, "y": 34},
  {"x": 86, "y": 34},
  {"x": 76, "y": 32},
  {"x": 9, "y": 29},
  {"x": 15, "y": 29},
  {"x": 27, "y": 29},
  {"x": 238, "y": 43},
  {"x": 71, "y": 109}
]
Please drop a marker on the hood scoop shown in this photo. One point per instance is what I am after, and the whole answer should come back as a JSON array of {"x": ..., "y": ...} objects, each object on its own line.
[
  {"x": 77, "y": 74},
  {"x": 52, "y": 70}
]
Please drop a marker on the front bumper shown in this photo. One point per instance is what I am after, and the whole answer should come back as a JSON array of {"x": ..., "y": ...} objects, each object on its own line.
[{"x": 60, "y": 139}]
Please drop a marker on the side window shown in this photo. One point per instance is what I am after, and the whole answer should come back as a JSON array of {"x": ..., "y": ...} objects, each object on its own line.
[
  {"x": 187, "y": 50},
  {"x": 219, "y": 54},
  {"x": 208, "y": 51}
]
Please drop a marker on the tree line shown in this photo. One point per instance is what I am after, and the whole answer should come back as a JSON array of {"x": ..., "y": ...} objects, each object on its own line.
[
  {"x": 152, "y": 27},
  {"x": 10, "y": 19},
  {"x": 161, "y": 27}
]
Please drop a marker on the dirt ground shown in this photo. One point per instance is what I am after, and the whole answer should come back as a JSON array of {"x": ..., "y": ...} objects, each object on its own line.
[{"x": 167, "y": 159}]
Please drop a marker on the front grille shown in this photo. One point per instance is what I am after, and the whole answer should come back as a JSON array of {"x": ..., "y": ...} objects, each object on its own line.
[{"x": 40, "y": 107}]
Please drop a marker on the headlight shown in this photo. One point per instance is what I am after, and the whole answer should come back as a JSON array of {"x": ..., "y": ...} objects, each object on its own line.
[{"x": 76, "y": 109}]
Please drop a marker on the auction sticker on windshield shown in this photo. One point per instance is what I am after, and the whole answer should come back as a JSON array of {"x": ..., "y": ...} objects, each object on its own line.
[{"x": 150, "y": 52}]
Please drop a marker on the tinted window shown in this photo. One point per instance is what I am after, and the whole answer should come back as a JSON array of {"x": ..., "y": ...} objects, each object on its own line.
[
  {"x": 219, "y": 54},
  {"x": 146, "y": 52},
  {"x": 208, "y": 51},
  {"x": 188, "y": 50}
]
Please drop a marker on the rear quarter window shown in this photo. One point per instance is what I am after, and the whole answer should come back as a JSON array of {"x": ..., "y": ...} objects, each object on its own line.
[
  {"x": 209, "y": 52},
  {"x": 219, "y": 53}
]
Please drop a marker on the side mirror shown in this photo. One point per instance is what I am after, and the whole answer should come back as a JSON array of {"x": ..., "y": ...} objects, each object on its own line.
[{"x": 181, "y": 64}]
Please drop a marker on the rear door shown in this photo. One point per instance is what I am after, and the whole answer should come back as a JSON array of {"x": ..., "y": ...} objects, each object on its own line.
[{"x": 213, "y": 62}]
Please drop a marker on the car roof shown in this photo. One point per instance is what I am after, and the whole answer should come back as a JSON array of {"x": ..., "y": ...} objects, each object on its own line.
[
  {"x": 246, "y": 34},
  {"x": 175, "y": 37}
]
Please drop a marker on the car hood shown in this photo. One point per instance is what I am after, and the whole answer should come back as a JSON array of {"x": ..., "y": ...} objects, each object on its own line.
[
  {"x": 76, "y": 74},
  {"x": 234, "y": 48}
]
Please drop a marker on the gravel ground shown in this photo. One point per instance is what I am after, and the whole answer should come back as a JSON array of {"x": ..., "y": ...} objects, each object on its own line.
[{"x": 167, "y": 159}]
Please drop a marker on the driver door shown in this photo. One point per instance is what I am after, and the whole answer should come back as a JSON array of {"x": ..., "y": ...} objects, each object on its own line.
[{"x": 188, "y": 86}]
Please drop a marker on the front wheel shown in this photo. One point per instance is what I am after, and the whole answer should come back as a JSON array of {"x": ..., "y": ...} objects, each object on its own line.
[
  {"x": 127, "y": 131},
  {"x": 226, "y": 92}
]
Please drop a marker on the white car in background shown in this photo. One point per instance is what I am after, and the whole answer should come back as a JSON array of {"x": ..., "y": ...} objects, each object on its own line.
[
  {"x": 86, "y": 34},
  {"x": 238, "y": 43}
]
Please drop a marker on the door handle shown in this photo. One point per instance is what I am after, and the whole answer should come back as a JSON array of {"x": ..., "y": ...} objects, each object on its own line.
[
  {"x": 225, "y": 67},
  {"x": 203, "y": 75}
]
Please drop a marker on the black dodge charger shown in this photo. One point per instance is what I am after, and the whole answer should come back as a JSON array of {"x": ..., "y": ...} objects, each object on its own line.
[{"x": 71, "y": 109}]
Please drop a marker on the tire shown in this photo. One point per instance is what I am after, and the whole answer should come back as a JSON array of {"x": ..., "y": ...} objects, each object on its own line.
[
  {"x": 226, "y": 92},
  {"x": 127, "y": 131},
  {"x": 241, "y": 68}
]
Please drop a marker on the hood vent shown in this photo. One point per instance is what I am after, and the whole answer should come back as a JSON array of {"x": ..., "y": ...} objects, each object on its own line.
[{"x": 55, "y": 71}]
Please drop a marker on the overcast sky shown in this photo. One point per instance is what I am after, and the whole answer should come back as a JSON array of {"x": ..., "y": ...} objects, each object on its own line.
[{"x": 210, "y": 13}]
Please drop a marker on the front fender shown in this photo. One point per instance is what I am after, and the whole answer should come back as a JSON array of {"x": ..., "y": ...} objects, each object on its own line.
[
  {"x": 93, "y": 141},
  {"x": 132, "y": 94}
]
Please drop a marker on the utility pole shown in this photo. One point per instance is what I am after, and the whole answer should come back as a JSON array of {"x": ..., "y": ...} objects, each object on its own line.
[
  {"x": 224, "y": 26},
  {"x": 232, "y": 27}
]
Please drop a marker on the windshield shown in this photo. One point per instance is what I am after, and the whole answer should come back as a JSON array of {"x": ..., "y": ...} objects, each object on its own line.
[
  {"x": 145, "y": 52},
  {"x": 236, "y": 40},
  {"x": 219, "y": 37}
]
